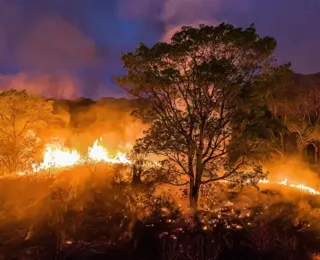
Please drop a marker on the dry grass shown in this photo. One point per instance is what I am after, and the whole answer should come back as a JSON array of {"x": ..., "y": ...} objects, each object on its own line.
[{"x": 79, "y": 212}]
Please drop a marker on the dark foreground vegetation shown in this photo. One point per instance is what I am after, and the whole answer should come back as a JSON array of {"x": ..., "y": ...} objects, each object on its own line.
[{"x": 80, "y": 215}]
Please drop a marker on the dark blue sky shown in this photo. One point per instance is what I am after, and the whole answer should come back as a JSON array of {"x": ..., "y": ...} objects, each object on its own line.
[{"x": 66, "y": 48}]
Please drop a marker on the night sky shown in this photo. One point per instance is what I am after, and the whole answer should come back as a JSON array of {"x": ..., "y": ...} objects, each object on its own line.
[{"x": 70, "y": 48}]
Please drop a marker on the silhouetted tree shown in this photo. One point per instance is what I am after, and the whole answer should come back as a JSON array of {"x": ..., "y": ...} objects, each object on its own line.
[{"x": 201, "y": 91}]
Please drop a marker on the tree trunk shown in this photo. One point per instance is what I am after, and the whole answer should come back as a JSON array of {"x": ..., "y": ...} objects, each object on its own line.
[
  {"x": 281, "y": 156},
  {"x": 285, "y": 115},
  {"x": 136, "y": 178},
  {"x": 316, "y": 154},
  {"x": 194, "y": 195},
  {"x": 305, "y": 151},
  {"x": 275, "y": 111}
]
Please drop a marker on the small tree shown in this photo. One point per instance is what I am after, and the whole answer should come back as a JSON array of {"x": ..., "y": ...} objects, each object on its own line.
[
  {"x": 21, "y": 117},
  {"x": 143, "y": 168},
  {"x": 275, "y": 136},
  {"x": 138, "y": 159},
  {"x": 304, "y": 119},
  {"x": 202, "y": 94}
]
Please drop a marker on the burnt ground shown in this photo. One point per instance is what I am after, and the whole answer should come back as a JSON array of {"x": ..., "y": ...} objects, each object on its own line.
[
  {"x": 278, "y": 239},
  {"x": 115, "y": 222}
]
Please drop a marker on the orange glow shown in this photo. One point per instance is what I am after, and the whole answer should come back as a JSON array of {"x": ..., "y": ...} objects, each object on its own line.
[
  {"x": 55, "y": 157},
  {"x": 100, "y": 154},
  {"x": 299, "y": 186}
]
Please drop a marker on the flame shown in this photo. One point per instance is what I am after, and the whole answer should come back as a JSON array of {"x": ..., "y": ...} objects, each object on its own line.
[
  {"x": 98, "y": 153},
  {"x": 300, "y": 186},
  {"x": 57, "y": 157}
]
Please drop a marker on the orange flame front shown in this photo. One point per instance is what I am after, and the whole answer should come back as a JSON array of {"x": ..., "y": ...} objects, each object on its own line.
[
  {"x": 56, "y": 157},
  {"x": 98, "y": 153},
  {"x": 301, "y": 187},
  {"x": 59, "y": 157}
]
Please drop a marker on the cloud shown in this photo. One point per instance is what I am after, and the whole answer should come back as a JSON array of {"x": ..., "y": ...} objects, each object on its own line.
[
  {"x": 166, "y": 37},
  {"x": 177, "y": 12},
  {"x": 2, "y": 40},
  {"x": 173, "y": 14},
  {"x": 284, "y": 25},
  {"x": 140, "y": 9}
]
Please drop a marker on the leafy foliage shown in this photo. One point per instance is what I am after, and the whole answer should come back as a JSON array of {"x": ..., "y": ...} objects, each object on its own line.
[
  {"x": 21, "y": 117},
  {"x": 304, "y": 117},
  {"x": 199, "y": 92}
]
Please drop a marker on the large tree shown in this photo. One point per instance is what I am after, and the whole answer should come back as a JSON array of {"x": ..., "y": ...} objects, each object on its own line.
[
  {"x": 21, "y": 117},
  {"x": 204, "y": 94}
]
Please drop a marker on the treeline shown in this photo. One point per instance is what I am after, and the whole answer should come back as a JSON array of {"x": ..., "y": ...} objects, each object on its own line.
[{"x": 298, "y": 107}]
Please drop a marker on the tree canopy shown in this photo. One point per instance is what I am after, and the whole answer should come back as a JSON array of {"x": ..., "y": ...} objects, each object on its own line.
[
  {"x": 21, "y": 117},
  {"x": 205, "y": 93}
]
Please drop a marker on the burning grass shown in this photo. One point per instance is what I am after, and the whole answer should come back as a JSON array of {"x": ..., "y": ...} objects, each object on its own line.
[
  {"x": 57, "y": 157},
  {"x": 78, "y": 212}
]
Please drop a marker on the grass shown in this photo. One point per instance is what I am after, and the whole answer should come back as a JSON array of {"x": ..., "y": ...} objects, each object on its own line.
[{"x": 80, "y": 215}]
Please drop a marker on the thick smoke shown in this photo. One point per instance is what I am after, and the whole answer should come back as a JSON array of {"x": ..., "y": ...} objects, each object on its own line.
[
  {"x": 53, "y": 44},
  {"x": 109, "y": 119},
  {"x": 82, "y": 121},
  {"x": 81, "y": 41},
  {"x": 62, "y": 87},
  {"x": 49, "y": 52}
]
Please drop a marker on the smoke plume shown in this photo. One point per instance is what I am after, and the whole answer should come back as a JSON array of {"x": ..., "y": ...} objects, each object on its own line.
[
  {"x": 62, "y": 87},
  {"x": 82, "y": 40},
  {"x": 49, "y": 52},
  {"x": 54, "y": 45}
]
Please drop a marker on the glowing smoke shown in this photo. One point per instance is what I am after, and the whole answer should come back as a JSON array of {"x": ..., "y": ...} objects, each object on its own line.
[
  {"x": 44, "y": 85},
  {"x": 48, "y": 54}
]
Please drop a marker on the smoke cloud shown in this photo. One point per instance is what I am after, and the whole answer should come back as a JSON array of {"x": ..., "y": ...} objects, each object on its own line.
[
  {"x": 49, "y": 52},
  {"x": 82, "y": 40},
  {"x": 54, "y": 45},
  {"x": 109, "y": 119},
  {"x": 62, "y": 87}
]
